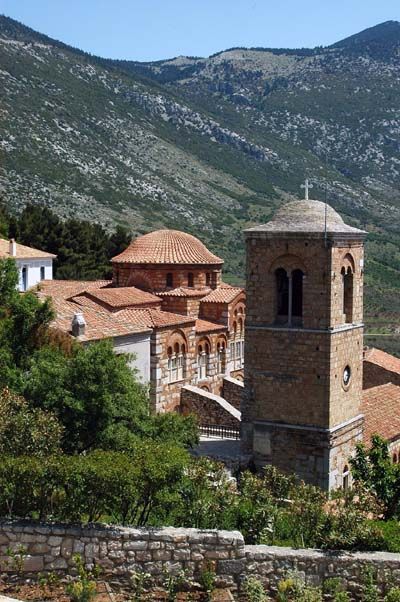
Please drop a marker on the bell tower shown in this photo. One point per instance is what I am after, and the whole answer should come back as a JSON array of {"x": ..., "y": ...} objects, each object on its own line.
[{"x": 304, "y": 343}]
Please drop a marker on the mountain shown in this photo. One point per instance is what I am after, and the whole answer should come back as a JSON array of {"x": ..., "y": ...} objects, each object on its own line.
[{"x": 210, "y": 145}]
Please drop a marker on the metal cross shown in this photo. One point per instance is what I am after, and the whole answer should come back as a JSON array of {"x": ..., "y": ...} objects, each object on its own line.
[{"x": 306, "y": 187}]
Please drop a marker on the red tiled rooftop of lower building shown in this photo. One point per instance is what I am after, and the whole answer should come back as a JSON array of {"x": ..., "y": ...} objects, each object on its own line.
[
  {"x": 125, "y": 296},
  {"x": 382, "y": 359},
  {"x": 381, "y": 408},
  {"x": 225, "y": 293},
  {"x": 64, "y": 289},
  {"x": 100, "y": 324},
  {"x": 153, "y": 318},
  {"x": 184, "y": 291},
  {"x": 205, "y": 326}
]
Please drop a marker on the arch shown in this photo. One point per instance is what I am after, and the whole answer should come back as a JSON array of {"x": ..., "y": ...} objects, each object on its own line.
[
  {"x": 203, "y": 358},
  {"x": 221, "y": 354},
  {"x": 289, "y": 263},
  {"x": 205, "y": 388},
  {"x": 282, "y": 293},
  {"x": 348, "y": 262},
  {"x": 176, "y": 353},
  {"x": 348, "y": 290},
  {"x": 177, "y": 336}
]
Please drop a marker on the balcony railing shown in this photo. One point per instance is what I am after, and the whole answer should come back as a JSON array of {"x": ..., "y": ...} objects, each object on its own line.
[{"x": 220, "y": 431}]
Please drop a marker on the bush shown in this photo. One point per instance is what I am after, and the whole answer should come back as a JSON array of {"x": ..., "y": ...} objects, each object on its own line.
[{"x": 124, "y": 488}]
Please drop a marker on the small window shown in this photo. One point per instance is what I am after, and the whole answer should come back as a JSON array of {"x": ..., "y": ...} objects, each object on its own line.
[
  {"x": 191, "y": 279},
  {"x": 282, "y": 291},
  {"x": 170, "y": 280},
  {"x": 24, "y": 278},
  {"x": 208, "y": 279},
  {"x": 347, "y": 279},
  {"x": 42, "y": 272},
  {"x": 346, "y": 478},
  {"x": 297, "y": 294}
]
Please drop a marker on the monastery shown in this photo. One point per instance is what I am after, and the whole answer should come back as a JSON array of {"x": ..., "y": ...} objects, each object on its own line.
[
  {"x": 166, "y": 303},
  {"x": 311, "y": 391}
]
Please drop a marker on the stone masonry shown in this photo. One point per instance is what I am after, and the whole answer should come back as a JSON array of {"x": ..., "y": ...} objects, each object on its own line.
[{"x": 122, "y": 551}]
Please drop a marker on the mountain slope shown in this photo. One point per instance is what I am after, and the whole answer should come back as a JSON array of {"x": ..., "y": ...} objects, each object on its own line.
[{"x": 209, "y": 145}]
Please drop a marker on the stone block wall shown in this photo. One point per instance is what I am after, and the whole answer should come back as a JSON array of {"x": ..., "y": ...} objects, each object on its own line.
[
  {"x": 122, "y": 551},
  {"x": 209, "y": 408},
  {"x": 233, "y": 391}
]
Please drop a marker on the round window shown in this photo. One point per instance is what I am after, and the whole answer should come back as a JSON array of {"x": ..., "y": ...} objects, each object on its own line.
[{"x": 346, "y": 376}]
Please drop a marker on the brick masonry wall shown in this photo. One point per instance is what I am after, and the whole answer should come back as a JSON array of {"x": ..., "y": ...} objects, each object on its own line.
[
  {"x": 122, "y": 551},
  {"x": 233, "y": 391}
]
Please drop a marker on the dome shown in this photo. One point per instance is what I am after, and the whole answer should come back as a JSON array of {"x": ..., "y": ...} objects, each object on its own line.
[
  {"x": 167, "y": 247},
  {"x": 307, "y": 216}
]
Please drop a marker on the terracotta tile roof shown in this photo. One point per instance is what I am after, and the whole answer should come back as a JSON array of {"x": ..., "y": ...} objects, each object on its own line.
[
  {"x": 184, "y": 291},
  {"x": 225, "y": 293},
  {"x": 381, "y": 408},
  {"x": 123, "y": 297},
  {"x": 23, "y": 252},
  {"x": 65, "y": 289},
  {"x": 382, "y": 359},
  {"x": 100, "y": 324},
  {"x": 153, "y": 318},
  {"x": 168, "y": 247},
  {"x": 205, "y": 326}
]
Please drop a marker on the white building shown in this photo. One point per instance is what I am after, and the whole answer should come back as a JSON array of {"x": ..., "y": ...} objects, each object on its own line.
[{"x": 33, "y": 265}]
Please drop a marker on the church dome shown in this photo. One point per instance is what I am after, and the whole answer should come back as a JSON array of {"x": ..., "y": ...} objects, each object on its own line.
[
  {"x": 307, "y": 216},
  {"x": 167, "y": 247}
]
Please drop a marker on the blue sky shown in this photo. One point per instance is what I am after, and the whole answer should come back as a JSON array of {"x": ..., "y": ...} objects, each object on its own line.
[{"x": 156, "y": 29}]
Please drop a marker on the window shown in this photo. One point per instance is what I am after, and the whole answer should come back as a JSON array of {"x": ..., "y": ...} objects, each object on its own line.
[
  {"x": 237, "y": 345},
  {"x": 221, "y": 358},
  {"x": 24, "y": 278},
  {"x": 191, "y": 279},
  {"x": 203, "y": 355},
  {"x": 176, "y": 363},
  {"x": 346, "y": 478},
  {"x": 208, "y": 279},
  {"x": 347, "y": 280},
  {"x": 42, "y": 272},
  {"x": 289, "y": 296},
  {"x": 169, "y": 280}
]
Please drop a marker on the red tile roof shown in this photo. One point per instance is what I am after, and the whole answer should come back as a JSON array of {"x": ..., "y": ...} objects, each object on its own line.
[
  {"x": 225, "y": 293},
  {"x": 382, "y": 359},
  {"x": 205, "y": 326},
  {"x": 22, "y": 251},
  {"x": 168, "y": 247},
  {"x": 65, "y": 289},
  {"x": 100, "y": 324},
  {"x": 123, "y": 297},
  {"x": 184, "y": 291},
  {"x": 154, "y": 318},
  {"x": 381, "y": 408}
]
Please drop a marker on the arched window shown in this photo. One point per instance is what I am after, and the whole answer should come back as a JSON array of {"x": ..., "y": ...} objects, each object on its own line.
[
  {"x": 346, "y": 478},
  {"x": 282, "y": 292},
  {"x": 297, "y": 294},
  {"x": 203, "y": 356},
  {"x": 347, "y": 280},
  {"x": 221, "y": 357},
  {"x": 236, "y": 346},
  {"x": 169, "y": 281},
  {"x": 176, "y": 362},
  {"x": 191, "y": 279},
  {"x": 289, "y": 296}
]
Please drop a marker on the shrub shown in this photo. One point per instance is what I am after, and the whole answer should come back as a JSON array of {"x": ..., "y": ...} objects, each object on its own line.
[
  {"x": 254, "y": 590},
  {"x": 393, "y": 595}
]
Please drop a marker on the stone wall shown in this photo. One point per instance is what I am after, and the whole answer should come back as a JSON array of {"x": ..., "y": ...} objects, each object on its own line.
[
  {"x": 121, "y": 551},
  {"x": 209, "y": 408},
  {"x": 233, "y": 391}
]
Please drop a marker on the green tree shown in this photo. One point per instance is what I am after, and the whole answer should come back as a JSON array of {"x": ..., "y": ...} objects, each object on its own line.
[
  {"x": 94, "y": 394},
  {"x": 25, "y": 430},
  {"x": 374, "y": 470}
]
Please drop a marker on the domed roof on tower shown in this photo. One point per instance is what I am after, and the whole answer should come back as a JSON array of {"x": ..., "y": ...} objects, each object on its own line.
[
  {"x": 307, "y": 216},
  {"x": 168, "y": 247}
]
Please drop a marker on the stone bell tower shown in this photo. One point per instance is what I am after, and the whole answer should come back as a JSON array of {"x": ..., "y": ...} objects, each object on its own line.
[{"x": 304, "y": 343}]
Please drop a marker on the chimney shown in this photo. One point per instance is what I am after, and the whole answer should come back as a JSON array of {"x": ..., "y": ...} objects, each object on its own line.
[
  {"x": 13, "y": 248},
  {"x": 78, "y": 325}
]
